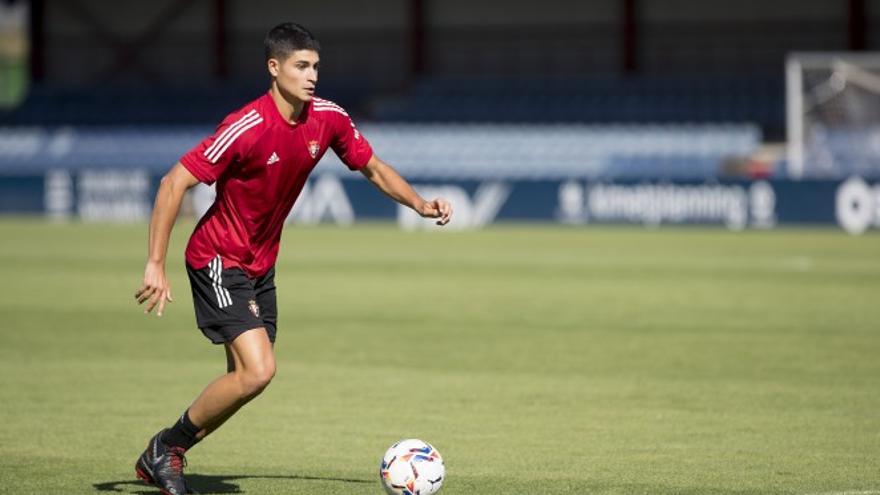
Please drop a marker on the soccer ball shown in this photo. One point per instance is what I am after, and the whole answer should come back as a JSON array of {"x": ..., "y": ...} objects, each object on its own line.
[{"x": 412, "y": 467}]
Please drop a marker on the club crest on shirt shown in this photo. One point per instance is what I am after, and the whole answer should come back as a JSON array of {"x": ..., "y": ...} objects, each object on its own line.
[
  {"x": 252, "y": 305},
  {"x": 313, "y": 148}
]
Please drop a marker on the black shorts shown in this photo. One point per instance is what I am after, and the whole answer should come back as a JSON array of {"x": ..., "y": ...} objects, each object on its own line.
[{"x": 228, "y": 302}]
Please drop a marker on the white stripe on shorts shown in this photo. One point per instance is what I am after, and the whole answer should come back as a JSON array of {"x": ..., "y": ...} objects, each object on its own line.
[{"x": 224, "y": 299}]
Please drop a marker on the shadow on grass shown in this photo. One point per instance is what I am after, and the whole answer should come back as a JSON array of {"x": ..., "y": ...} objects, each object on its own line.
[{"x": 209, "y": 484}]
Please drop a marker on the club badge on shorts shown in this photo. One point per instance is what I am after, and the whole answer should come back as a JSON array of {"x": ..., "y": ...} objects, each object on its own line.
[
  {"x": 313, "y": 148},
  {"x": 252, "y": 305}
]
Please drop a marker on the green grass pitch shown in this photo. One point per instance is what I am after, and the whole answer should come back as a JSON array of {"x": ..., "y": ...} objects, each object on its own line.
[{"x": 538, "y": 360}]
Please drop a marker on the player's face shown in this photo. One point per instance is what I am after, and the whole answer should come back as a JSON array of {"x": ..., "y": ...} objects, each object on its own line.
[{"x": 297, "y": 75}]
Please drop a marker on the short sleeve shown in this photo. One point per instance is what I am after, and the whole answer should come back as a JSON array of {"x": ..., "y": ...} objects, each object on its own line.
[
  {"x": 209, "y": 159},
  {"x": 349, "y": 145}
]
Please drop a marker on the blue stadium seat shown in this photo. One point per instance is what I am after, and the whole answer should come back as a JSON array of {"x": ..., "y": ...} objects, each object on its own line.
[{"x": 756, "y": 99}]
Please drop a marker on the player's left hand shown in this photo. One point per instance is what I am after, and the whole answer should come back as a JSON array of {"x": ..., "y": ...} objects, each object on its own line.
[{"x": 438, "y": 208}]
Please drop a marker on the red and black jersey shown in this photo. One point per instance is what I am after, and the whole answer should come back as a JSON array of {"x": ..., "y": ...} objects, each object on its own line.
[{"x": 260, "y": 162}]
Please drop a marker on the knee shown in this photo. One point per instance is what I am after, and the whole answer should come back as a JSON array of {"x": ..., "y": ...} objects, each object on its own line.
[{"x": 255, "y": 380}]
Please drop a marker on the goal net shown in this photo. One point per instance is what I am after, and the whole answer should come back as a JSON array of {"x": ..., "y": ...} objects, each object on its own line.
[{"x": 833, "y": 114}]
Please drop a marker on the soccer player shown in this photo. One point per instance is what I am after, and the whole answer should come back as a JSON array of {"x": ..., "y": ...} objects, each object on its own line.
[{"x": 260, "y": 157}]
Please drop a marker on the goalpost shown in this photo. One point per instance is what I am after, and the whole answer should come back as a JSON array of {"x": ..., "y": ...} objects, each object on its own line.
[{"x": 833, "y": 114}]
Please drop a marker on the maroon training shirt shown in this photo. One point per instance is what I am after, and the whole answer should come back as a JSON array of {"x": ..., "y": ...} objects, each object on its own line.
[{"x": 260, "y": 163}]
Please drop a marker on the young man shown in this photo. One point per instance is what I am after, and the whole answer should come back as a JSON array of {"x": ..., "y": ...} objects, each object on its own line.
[{"x": 260, "y": 157}]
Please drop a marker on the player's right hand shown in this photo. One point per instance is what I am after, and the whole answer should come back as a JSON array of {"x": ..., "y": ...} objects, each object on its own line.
[{"x": 155, "y": 289}]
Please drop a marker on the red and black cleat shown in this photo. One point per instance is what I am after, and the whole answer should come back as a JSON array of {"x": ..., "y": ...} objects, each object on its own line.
[{"x": 162, "y": 466}]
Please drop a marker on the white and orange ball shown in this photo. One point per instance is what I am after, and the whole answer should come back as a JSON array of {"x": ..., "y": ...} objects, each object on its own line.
[{"x": 412, "y": 467}]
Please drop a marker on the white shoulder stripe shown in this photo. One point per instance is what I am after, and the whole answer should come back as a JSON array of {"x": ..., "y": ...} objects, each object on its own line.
[
  {"x": 229, "y": 130},
  {"x": 330, "y": 109},
  {"x": 231, "y": 139},
  {"x": 229, "y": 133},
  {"x": 326, "y": 104},
  {"x": 322, "y": 109}
]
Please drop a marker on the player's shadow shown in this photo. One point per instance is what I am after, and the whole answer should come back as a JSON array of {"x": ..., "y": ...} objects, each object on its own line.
[{"x": 210, "y": 484}]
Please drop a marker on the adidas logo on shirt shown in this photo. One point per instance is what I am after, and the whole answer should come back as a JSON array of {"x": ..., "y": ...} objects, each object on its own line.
[{"x": 273, "y": 159}]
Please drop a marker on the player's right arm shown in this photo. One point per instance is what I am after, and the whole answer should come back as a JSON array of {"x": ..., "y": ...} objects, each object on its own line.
[
  {"x": 204, "y": 163},
  {"x": 155, "y": 289}
]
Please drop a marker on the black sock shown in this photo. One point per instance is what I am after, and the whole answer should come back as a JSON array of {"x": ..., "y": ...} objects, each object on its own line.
[{"x": 182, "y": 434}]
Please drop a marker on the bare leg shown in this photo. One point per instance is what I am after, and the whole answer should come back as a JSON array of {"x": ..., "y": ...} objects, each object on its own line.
[
  {"x": 230, "y": 359},
  {"x": 217, "y": 422},
  {"x": 250, "y": 367}
]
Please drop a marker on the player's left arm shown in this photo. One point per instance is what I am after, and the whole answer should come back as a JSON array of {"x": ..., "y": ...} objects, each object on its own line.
[{"x": 384, "y": 177}]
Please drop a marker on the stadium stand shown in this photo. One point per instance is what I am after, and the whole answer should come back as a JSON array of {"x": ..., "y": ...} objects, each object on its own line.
[
  {"x": 758, "y": 99},
  {"x": 464, "y": 151},
  {"x": 649, "y": 126},
  {"x": 599, "y": 127},
  {"x": 130, "y": 104}
]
